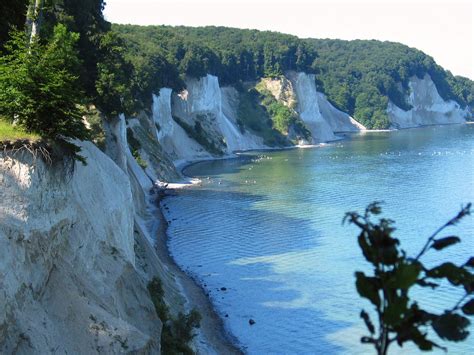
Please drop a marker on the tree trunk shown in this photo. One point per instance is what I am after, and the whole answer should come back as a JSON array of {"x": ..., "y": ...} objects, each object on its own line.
[{"x": 33, "y": 18}]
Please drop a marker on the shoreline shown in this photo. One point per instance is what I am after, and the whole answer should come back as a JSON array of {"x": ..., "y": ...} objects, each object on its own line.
[
  {"x": 211, "y": 336},
  {"x": 212, "y": 328},
  {"x": 188, "y": 181}
]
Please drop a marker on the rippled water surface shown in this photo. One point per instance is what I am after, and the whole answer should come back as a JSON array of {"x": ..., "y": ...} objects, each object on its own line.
[{"x": 267, "y": 228}]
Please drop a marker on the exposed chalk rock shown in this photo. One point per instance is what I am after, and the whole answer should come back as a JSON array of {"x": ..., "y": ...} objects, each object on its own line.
[
  {"x": 282, "y": 90},
  {"x": 338, "y": 120},
  {"x": 233, "y": 136},
  {"x": 172, "y": 137},
  {"x": 158, "y": 166},
  {"x": 308, "y": 108},
  {"x": 67, "y": 271},
  {"x": 428, "y": 107},
  {"x": 212, "y": 108}
]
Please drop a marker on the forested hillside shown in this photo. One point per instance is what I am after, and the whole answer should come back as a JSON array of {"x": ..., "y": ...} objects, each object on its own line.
[
  {"x": 119, "y": 66},
  {"x": 358, "y": 77},
  {"x": 56, "y": 58}
]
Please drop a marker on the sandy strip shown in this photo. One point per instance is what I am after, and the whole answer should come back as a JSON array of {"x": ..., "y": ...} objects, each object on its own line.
[{"x": 212, "y": 337}]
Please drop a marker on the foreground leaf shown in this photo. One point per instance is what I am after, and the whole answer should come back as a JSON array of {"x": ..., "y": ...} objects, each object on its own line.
[
  {"x": 405, "y": 276},
  {"x": 451, "y": 326},
  {"x": 468, "y": 308},
  {"x": 370, "y": 326},
  {"x": 366, "y": 287},
  {"x": 445, "y": 242}
]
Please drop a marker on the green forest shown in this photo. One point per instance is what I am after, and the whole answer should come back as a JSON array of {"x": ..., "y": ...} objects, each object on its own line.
[
  {"x": 358, "y": 76},
  {"x": 116, "y": 68}
]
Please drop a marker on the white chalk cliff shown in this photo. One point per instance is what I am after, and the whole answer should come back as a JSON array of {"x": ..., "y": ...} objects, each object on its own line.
[
  {"x": 338, "y": 121},
  {"x": 308, "y": 108},
  {"x": 428, "y": 107},
  {"x": 172, "y": 137},
  {"x": 206, "y": 99},
  {"x": 77, "y": 245},
  {"x": 212, "y": 107},
  {"x": 216, "y": 110},
  {"x": 69, "y": 282},
  {"x": 298, "y": 90}
]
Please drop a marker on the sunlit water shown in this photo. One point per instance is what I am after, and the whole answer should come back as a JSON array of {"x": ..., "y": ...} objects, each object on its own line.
[{"x": 267, "y": 227}]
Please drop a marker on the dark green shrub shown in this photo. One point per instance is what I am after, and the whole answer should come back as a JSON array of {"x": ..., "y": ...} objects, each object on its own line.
[
  {"x": 155, "y": 288},
  {"x": 253, "y": 115},
  {"x": 39, "y": 90},
  {"x": 135, "y": 146},
  {"x": 177, "y": 332}
]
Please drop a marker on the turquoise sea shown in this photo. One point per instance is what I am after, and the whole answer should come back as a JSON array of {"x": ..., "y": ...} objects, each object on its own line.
[{"x": 263, "y": 234}]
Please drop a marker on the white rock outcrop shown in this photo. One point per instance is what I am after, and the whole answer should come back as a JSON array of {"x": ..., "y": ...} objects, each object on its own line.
[
  {"x": 428, "y": 107},
  {"x": 213, "y": 108},
  {"x": 338, "y": 121},
  {"x": 282, "y": 90},
  {"x": 290, "y": 88},
  {"x": 234, "y": 138},
  {"x": 68, "y": 280},
  {"x": 172, "y": 137},
  {"x": 205, "y": 97},
  {"x": 118, "y": 149},
  {"x": 308, "y": 108}
]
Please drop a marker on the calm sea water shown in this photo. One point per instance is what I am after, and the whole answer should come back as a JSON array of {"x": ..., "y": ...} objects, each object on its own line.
[{"x": 267, "y": 228}]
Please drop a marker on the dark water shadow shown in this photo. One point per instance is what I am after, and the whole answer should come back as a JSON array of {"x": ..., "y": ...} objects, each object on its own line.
[
  {"x": 231, "y": 165},
  {"x": 228, "y": 222}
]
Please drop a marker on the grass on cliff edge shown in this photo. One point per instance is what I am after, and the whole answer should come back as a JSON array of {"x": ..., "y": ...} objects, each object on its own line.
[{"x": 8, "y": 132}]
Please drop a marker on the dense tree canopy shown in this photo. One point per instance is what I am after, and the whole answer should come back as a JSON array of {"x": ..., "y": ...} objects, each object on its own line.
[
  {"x": 38, "y": 89},
  {"x": 12, "y": 15},
  {"x": 232, "y": 54},
  {"x": 103, "y": 73},
  {"x": 85, "y": 18},
  {"x": 50, "y": 66},
  {"x": 121, "y": 65},
  {"x": 359, "y": 77}
]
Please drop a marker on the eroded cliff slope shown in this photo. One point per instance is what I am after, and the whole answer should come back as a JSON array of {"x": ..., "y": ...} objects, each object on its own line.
[
  {"x": 68, "y": 273},
  {"x": 77, "y": 242},
  {"x": 427, "y": 107}
]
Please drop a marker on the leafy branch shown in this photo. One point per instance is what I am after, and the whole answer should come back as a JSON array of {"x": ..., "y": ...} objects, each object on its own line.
[{"x": 400, "y": 319}]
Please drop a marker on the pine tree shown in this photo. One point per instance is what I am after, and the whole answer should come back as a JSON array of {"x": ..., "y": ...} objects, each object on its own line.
[{"x": 38, "y": 88}]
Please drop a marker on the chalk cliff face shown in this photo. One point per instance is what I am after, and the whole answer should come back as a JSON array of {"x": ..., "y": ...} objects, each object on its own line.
[
  {"x": 212, "y": 112},
  {"x": 68, "y": 276},
  {"x": 227, "y": 121},
  {"x": 298, "y": 91},
  {"x": 428, "y": 107},
  {"x": 172, "y": 137},
  {"x": 206, "y": 103},
  {"x": 338, "y": 121},
  {"x": 282, "y": 90},
  {"x": 209, "y": 111},
  {"x": 308, "y": 108},
  {"x": 77, "y": 245}
]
